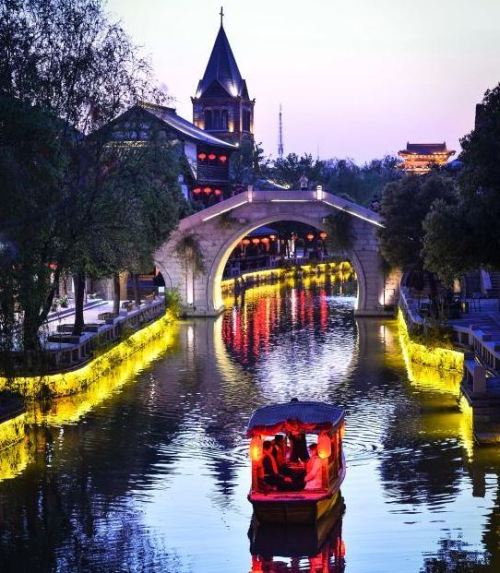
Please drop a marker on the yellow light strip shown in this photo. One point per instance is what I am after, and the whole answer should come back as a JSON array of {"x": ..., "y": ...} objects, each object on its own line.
[
  {"x": 67, "y": 383},
  {"x": 224, "y": 211},
  {"x": 354, "y": 214}
]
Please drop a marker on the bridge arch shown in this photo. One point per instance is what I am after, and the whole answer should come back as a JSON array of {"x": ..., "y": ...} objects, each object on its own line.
[{"x": 218, "y": 230}]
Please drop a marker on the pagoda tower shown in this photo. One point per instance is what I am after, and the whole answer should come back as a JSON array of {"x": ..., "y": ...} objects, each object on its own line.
[{"x": 222, "y": 105}]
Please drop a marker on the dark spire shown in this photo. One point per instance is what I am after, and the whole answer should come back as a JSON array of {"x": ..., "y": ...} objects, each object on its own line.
[{"x": 222, "y": 67}]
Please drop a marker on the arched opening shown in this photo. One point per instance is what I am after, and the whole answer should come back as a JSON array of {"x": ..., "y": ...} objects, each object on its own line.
[{"x": 216, "y": 271}]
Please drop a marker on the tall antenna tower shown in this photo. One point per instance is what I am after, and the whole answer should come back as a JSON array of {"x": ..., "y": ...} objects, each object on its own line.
[{"x": 280, "y": 135}]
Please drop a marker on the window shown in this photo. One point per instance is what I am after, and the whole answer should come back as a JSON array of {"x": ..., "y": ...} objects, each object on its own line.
[
  {"x": 246, "y": 120},
  {"x": 208, "y": 119}
]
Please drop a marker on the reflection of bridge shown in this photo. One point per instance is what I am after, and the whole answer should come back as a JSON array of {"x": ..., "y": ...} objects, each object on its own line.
[{"x": 217, "y": 230}]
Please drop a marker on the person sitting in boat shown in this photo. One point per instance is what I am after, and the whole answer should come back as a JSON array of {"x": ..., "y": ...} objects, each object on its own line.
[
  {"x": 271, "y": 473},
  {"x": 279, "y": 451},
  {"x": 298, "y": 451},
  {"x": 313, "y": 478}
]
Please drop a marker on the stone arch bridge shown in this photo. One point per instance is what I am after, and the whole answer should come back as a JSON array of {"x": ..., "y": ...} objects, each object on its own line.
[{"x": 219, "y": 228}]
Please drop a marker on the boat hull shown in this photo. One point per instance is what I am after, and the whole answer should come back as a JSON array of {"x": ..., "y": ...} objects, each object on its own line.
[{"x": 294, "y": 511}]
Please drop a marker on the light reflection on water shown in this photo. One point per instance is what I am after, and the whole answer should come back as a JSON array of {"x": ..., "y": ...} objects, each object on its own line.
[{"x": 154, "y": 476}]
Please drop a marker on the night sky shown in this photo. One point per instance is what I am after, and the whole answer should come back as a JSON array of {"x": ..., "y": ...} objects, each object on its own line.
[{"x": 356, "y": 78}]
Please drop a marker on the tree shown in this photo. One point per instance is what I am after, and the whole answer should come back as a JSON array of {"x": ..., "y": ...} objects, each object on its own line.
[
  {"x": 65, "y": 70},
  {"x": 404, "y": 206},
  {"x": 466, "y": 236},
  {"x": 247, "y": 163}
]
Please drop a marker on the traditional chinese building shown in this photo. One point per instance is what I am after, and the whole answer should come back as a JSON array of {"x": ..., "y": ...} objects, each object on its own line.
[
  {"x": 420, "y": 158},
  {"x": 207, "y": 157},
  {"x": 221, "y": 105}
]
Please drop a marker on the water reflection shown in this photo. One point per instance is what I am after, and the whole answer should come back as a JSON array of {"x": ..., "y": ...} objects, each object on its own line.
[
  {"x": 152, "y": 474},
  {"x": 290, "y": 548}
]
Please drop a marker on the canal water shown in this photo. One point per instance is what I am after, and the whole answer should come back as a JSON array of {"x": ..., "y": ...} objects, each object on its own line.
[{"x": 149, "y": 471}]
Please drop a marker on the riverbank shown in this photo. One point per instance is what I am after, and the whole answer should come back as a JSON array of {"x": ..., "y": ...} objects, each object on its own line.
[{"x": 74, "y": 381}]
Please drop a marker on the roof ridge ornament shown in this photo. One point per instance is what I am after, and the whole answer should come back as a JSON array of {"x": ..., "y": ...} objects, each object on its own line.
[{"x": 221, "y": 14}]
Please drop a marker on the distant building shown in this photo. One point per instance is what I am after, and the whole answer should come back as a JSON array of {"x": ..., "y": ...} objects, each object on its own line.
[
  {"x": 419, "y": 158},
  {"x": 221, "y": 104}
]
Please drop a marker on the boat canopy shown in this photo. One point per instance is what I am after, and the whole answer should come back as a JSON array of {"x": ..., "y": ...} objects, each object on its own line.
[{"x": 310, "y": 417}]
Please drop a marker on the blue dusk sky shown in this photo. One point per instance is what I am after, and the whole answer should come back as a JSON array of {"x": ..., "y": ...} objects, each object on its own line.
[{"x": 356, "y": 78}]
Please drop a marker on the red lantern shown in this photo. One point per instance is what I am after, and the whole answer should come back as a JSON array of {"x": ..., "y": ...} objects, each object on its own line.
[
  {"x": 202, "y": 156},
  {"x": 310, "y": 236},
  {"x": 272, "y": 237},
  {"x": 197, "y": 190},
  {"x": 218, "y": 192},
  {"x": 222, "y": 158},
  {"x": 211, "y": 156},
  {"x": 323, "y": 235},
  {"x": 324, "y": 446},
  {"x": 246, "y": 242},
  {"x": 207, "y": 190},
  {"x": 256, "y": 449},
  {"x": 255, "y": 241},
  {"x": 342, "y": 431},
  {"x": 265, "y": 240}
]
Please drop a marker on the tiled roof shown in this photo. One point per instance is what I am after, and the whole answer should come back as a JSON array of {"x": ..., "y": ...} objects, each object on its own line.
[
  {"x": 184, "y": 127},
  {"x": 426, "y": 148}
]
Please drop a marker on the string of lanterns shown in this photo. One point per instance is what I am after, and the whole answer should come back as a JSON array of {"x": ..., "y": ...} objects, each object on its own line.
[{"x": 212, "y": 157}]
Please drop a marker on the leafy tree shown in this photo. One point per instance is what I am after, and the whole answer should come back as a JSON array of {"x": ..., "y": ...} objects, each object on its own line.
[
  {"x": 466, "y": 236},
  {"x": 63, "y": 67},
  {"x": 404, "y": 206},
  {"x": 247, "y": 163}
]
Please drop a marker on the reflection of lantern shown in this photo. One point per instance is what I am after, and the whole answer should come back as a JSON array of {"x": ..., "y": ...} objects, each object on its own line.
[
  {"x": 218, "y": 192},
  {"x": 256, "y": 450},
  {"x": 323, "y": 235},
  {"x": 255, "y": 241},
  {"x": 324, "y": 446},
  {"x": 197, "y": 190},
  {"x": 207, "y": 190},
  {"x": 222, "y": 158},
  {"x": 246, "y": 242},
  {"x": 310, "y": 236},
  {"x": 202, "y": 156},
  {"x": 211, "y": 156}
]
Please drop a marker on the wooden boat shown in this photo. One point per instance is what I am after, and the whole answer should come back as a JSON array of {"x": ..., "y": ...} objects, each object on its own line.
[{"x": 324, "y": 421}]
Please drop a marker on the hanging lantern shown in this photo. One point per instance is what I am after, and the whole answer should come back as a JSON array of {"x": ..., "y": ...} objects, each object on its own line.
[
  {"x": 310, "y": 236},
  {"x": 342, "y": 431},
  {"x": 255, "y": 241},
  {"x": 218, "y": 192},
  {"x": 272, "y": 237},
  {"x": 246, "y": 242},
  {"x": 207, "y": 190},
  {"x": 265, "y": 240},
  {"x": 197, "y": 190},
  {"x": 323, "y": 235},
  {"x": 222, "y": 158},
  {"x": 256, "y": 450},
  {"x": 211, "y": 156},
  {"x": 202, "y": 156},
  {"x": 324, "y": 446}
]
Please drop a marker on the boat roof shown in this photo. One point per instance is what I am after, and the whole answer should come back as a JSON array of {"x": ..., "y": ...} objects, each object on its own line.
[{"x": 309, "y": 416}]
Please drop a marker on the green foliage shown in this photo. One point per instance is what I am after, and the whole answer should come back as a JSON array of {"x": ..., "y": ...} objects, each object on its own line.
[
  {"x": 341, "y": 237},
  {"x": 189, "y": 250},
  {"x": 246, "y": 164},
  {"x": 404, "y": 206},
  {"x": 466, "y": 235},
  {"x": 173, "y": 301}
]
